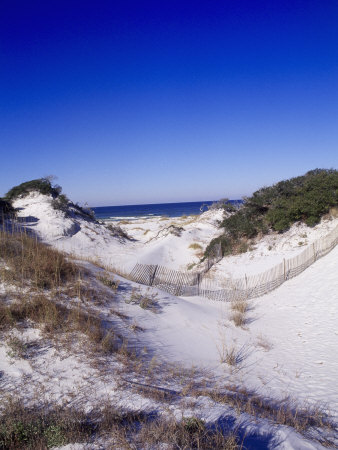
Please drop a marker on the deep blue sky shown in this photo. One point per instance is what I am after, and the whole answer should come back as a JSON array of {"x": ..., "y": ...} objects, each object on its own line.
[{"x": 158, "y": 101}]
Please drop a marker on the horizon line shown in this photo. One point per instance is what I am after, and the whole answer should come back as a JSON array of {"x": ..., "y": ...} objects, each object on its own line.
[{"x": 164, "y": 203}]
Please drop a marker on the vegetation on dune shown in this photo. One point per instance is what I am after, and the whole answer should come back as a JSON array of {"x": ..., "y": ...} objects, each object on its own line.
[
  {"x": 50, "y": 426},
  {"x": 305, "y": 198},
  {"x": 42, "y": 185},
  {"x": 223, "y": 203},
  {"x": 42, "y": 278},
  {"x": 5, "y": 209},
  {"x": 27, "y": 258}
]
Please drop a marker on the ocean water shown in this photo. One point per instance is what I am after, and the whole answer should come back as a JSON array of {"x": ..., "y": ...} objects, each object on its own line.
[{"x": 147, "y": 211}]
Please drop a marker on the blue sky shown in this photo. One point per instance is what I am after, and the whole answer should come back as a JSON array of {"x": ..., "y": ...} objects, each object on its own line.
[{"x": 142, "y": 102}]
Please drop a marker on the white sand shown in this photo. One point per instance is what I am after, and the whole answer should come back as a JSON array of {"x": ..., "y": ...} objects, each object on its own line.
[{"x": 288, "y": 345}]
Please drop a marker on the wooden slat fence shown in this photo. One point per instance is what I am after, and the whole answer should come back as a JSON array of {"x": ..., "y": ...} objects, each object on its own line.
[{"x": 198, "y": 283}]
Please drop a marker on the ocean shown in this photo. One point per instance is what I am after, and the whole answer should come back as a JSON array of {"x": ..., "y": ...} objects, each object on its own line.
[{"x": 131, "y": 212}]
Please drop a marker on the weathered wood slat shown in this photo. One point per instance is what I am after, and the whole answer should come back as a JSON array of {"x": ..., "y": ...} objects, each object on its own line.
[{"x": 197, "y": 283}]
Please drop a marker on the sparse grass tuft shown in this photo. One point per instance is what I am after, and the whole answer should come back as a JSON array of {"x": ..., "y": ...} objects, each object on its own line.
[
  {"x": 238, "y": 318},
  {"x": 195, "y": 246},
  {"x": 108, "y": 280},
  {"x": 57, "y": 320},
  {"x": 230, "y": 354},
  {"x": 288, "y": 413},
  {"x": 116, "y": 231},
  {"x": 239, "y": 308},
  {"x": 145, "y": 301},
  {"x": 240, "y": 305},
  {"x": 264, "y": 343},
  {"x": 17, "y": 347},
  {"x": 189, "y": 433}
]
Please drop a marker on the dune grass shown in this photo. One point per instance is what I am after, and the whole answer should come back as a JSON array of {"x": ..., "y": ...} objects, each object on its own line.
[
  {"x": 27, "y": 259},
  {"x": 49, "y": 426}
]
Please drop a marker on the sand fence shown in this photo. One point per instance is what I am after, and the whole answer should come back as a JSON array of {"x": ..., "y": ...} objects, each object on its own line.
[{"x": 228, "y": 289}]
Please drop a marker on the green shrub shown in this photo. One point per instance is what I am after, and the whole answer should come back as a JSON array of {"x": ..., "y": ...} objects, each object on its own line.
[
  {"x": 223, "y": 203},
  {"x": 243, "y": 247},
  {"x": 226, "y": 247},
  {"x": 306, "y": 199},
  {"x": 84, "y": 211},
  {"x": 242, "y": 224},
  {"x": 42, "y": 185},
  {"x": 6, "y": 209},
  {"x": 193, "y": 424},
  {"x": 61, "y": 203}
]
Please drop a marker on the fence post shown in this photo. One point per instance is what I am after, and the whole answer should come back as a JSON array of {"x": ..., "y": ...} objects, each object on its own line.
[
  {"x": 198, "y": 283},
  {"x": 284, "y": 269},
  {"x": 314, "y": 252},
  {"x": 153, "y": 276}
]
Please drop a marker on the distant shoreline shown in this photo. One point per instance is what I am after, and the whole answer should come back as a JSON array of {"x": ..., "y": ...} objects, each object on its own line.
[{"x": 135, "y": 212}]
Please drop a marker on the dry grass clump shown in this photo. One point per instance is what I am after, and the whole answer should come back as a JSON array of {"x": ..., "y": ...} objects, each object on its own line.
[
  {"x": 108, "y": 280},
  {"x": 17, "y": 347},
  {"x": 230, "y": 354},
  {"x": 85, "y": 292},
  {"x": 239, "y": 307},
  {"x": 195, "y": 246},
  {"x": 145, "y": 301},
  {"x": 188, "y": 220},
  {"x": 334, "y": 211},
  {"x": 38, "y": 266},
  {"x": 49, "y": 426},
  {"x": 56, "y": 319},
  {"x": 238, "y": 318},
  {"x": 158, "y": 394},
  {"x": 288, "y": 413},
  {"x": 116, "y": 231},
  {"x": 189, "y": 433},
  {"x": 27, "y": 258}
]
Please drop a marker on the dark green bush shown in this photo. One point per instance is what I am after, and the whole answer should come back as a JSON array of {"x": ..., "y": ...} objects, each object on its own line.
[
  {"x": 85, "y": 211},
  {"x": 42, "y": 185},
  {"x": 242, "y": 224},
  {"x": 61, "y": 203},
  {"x": 6, "y": 209},
  {"x": 227, "y": 245},
  {"x": 306, "y": 199}
]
